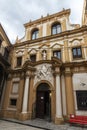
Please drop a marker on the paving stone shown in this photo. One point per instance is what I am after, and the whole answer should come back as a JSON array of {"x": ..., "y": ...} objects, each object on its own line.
[
  {"x": 4, "y": 125},
  {"x": 12, "y": 124}
]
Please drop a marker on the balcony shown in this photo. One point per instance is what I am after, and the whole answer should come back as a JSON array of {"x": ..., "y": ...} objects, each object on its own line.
[{"x": 4, "y": 54}]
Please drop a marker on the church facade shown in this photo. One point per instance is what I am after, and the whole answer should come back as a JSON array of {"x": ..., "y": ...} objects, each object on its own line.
[{"x": 47, "y": 78}]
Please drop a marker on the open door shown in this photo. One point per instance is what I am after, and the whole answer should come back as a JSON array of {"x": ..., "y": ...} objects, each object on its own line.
[
  {"x": 43, "y": 102},
  {"x": 40, "y": 105}
]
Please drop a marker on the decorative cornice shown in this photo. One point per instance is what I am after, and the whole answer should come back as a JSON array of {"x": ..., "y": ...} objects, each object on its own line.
[
  {"x": 75, "y": 64},
  {"x": 55, "y": 62}
]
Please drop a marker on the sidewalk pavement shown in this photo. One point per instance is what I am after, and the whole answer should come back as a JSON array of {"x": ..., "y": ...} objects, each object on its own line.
[{"x": 44, "y": 125}]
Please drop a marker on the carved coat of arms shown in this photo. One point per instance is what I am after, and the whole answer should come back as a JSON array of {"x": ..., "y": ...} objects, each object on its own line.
[{"x": 44, "y": 72}]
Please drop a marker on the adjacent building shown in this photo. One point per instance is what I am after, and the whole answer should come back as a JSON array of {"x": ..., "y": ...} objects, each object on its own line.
[
  {"x": 5, "y": 46},
  {"x": 48, "y": 74}
]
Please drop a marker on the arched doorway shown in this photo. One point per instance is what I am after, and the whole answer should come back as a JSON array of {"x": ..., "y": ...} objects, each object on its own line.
[{"x": 43, "y": 102}]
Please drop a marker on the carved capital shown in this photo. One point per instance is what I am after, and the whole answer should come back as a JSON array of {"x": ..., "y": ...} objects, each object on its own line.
[
  {"x": 28, "y": 73},
  {"x": 67, "y": 71},
  {"x": 68, "y": 74},
  {"x": 57, "y": 70}
]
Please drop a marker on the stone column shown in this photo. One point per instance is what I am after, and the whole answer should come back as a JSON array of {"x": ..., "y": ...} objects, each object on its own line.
[
  {"x": 63, "y": 95},
  {"x": 59, "y": 118},
  {"x": 26, "y": 92},
  {"x": 69, "y": 92}
]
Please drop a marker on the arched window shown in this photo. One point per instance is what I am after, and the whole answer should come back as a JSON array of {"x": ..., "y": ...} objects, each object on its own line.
[
  {"x": 35, "y": 34},
  {"x": 56, "y": 28}
]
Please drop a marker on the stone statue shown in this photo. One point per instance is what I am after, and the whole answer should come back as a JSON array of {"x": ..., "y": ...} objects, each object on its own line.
[{"x": 44, "y": 55}]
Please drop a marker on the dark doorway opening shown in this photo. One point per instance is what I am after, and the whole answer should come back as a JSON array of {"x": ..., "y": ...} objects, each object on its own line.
[
  {"x": 43, "y": 102},
  {"x": 81, "y": 99}
]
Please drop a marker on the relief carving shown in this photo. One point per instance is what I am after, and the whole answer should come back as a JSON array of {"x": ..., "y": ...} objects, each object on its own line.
[{"x": 44, "y": 72}]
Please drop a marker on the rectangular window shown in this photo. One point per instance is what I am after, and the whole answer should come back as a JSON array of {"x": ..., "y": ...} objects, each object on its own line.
[
  {"x": 13, "y": 102},
  {"x": 77, "y": 53},
  {"x": 33, "y": 58},
  {"x": 57, "y": 54},
  {"x": 19, "y": 61},
  {"x": 81, "y": 100}
]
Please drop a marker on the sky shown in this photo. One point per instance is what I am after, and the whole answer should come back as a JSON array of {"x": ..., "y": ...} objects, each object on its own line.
[{"x": 15, "y": 13}]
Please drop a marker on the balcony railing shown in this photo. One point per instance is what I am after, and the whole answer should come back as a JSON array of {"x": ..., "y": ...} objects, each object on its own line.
[{"x": 4, "y": 52}]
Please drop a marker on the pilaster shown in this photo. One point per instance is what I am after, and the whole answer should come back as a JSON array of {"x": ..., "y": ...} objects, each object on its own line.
[
  {"x": 84, "y": 14},
  {"x": 66, "y": 51},
  {"x": 64, "y": 25},
  {"x": 30, "y": 104},
  {"x": 48, "y": 30},
  {"x": 69, "y": 92},
  {"x": 28, "y": 35},
  {"x": 7, "y": 93},
  {"x": 85, "y": 47},
  {"x": 20, "y": 97},
  {"x": 40, "y": 31},
  {"x": 49, "y": 54}
]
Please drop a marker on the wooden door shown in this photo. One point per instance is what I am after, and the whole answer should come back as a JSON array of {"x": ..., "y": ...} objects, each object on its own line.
[{"x": 40, "y": 105}]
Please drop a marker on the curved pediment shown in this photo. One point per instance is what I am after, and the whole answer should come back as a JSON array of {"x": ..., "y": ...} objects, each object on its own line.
[{"x": 54, "y": 62}]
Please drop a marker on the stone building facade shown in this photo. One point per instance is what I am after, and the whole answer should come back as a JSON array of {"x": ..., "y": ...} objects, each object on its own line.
[
  {"x": 48, "y": 74},
  {"x": 5, "y": 46}
]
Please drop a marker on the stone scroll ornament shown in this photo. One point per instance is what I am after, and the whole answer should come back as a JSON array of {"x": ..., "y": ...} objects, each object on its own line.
[{"x": 43, "y": 72}]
